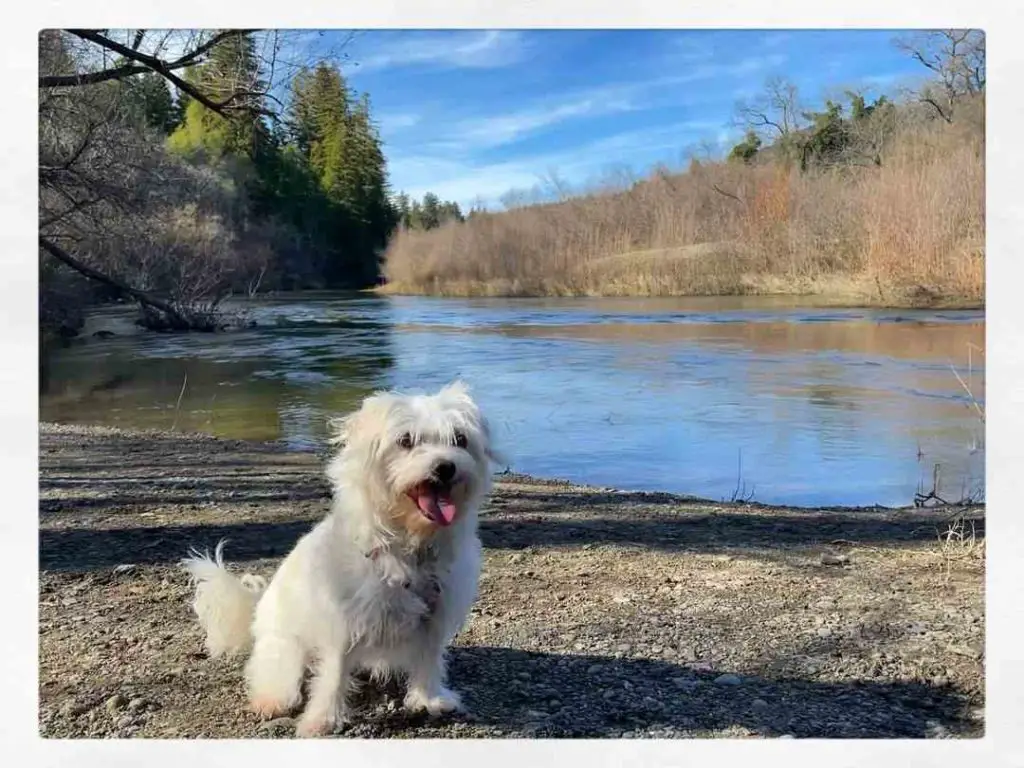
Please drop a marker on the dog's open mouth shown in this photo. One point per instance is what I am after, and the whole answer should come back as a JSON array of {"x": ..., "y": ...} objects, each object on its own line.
[{"x": 434, "y": 501}]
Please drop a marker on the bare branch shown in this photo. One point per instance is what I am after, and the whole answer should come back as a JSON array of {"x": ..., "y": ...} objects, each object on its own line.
[
  {"x": 721, "y": 191},
  {"x": 957, "y": 59},
  {"x": 141, "y": 296},
  {"x": 937, "y": 107},
  {"x": 148, "y": 62},
  {"x": 203, "y": 49},
  {"x": 777, "y": 108},
  {"x": 91, "y": 78}
]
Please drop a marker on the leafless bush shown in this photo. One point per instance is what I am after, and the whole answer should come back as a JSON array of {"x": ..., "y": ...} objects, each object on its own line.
[
  {"x": 113, "y": 205},
  {"x": 110, "y": 195}
]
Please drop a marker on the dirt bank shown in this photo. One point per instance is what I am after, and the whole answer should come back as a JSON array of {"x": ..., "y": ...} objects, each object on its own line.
[{"x": 601, "y": 613}]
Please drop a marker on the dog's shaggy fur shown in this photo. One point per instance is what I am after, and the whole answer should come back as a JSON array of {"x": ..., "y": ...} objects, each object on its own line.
[{"x": 383, "y": 582}]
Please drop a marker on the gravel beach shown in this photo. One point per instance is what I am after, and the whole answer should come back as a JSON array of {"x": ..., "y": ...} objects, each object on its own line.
[{"x": 602, "y": 613}]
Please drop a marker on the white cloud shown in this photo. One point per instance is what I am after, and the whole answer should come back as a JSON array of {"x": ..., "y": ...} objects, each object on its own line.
[
  {"x": 465, "y": 181},
  {"x": 460, "y": 181},
  {"x": 746, "y": 67},
  {"x": 477, "y": 133},
  {"x": 469, "y": 49},
  {"x": 629, "y": 143},
  {"x": 495, "y": 130},
  {"x": 451, "y": 163},
  {"x": 394, "y": 122}
]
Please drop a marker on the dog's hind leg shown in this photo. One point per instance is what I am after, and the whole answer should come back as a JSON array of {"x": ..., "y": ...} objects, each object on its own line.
[
  {"x": 326, "y": 707},
  {"x": 274, "y": 675}
]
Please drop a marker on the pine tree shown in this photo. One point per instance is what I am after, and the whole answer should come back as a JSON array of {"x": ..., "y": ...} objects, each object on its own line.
[
  {"x": 335, "y": 134},
  {"x": 231, "y": 74},
  {"x": 746, "y": 150},
  {"x": 402, "y": 209},
  {"x": 431, "y": 217},
  {"x": 147, "y": 101}
]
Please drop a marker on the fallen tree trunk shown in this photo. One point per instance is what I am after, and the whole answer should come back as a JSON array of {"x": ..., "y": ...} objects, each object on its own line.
[{"x": 174, "y": 317}]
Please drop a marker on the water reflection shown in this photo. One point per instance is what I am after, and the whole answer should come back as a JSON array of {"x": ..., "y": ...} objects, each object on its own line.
[
  {"x": 279, "y": 381},
  {"x": 804, "y": 405}
]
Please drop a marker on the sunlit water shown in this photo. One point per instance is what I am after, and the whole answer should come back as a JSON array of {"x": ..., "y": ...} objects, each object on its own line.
[{"x": 711, "y": 397}]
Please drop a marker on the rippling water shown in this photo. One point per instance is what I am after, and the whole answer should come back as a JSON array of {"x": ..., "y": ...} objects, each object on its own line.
[{"x": 716, "y": 397}]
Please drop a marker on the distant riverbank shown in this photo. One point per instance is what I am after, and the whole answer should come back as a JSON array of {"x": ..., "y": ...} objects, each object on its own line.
[
  {"x": 905, "y": 230},
  {"x": 842, "y": 292}
]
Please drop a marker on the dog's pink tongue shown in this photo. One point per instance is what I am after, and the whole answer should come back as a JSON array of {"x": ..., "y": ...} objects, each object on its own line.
[{"x": 435, "y": 506}]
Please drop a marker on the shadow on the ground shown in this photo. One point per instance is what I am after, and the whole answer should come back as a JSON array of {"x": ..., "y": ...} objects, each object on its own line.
[
  {"x": 90, "y": 548},
  {"x": 255, "y": 493},
  {"x": 701, "y": 531},
  {"x": 165, "y": 474},
  {"x": 87, "y": 549},
  {"x": 516, "y": 692}
]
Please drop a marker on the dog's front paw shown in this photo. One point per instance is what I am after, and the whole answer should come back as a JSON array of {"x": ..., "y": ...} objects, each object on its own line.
[
  {"x": 313, "y": 724},
  {"x": 309, "y": 728},
  {"x": 267, "y": 708},
  {"x": 443, "y": 702}
]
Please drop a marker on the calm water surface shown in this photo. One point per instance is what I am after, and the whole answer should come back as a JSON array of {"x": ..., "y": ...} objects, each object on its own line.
[{"x": 712, "y": 397}]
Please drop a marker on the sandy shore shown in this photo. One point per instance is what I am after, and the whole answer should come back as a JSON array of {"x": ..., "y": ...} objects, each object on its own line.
[{"x": 601, "y": 613}]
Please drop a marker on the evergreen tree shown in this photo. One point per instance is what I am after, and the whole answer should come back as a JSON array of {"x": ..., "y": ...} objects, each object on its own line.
[
  {"x": 827, "y": 137},
  {"x": 746, "y": 150},
  {"x": 450, "y": 211},
  {"x": 232, "y": 67},
  {"x": 431, "y": 216},
  {"x": 430, "y": 213},
  {"x": 147, "y": 102},
  {"x": 336, "y": 135},
  {"x": 402, "y": 209}
]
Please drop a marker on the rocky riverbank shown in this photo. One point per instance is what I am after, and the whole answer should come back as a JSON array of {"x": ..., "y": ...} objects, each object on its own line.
[{"x": 601, "y": 613}]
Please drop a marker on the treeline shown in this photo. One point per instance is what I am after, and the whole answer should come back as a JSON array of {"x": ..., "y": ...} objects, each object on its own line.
[
  {"x": 177, "y": 182},
  {"x": 878, "y": 201},
  {"x": 431, "y": 213}
]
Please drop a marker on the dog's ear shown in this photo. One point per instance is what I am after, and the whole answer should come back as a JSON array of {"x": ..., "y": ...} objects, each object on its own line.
[
  {"x": 457, "y": 389},
  {"x": 342, "y": 429},
  {"x": 339, "y": 429}
]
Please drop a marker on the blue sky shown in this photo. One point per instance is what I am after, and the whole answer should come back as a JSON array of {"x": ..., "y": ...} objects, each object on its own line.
[{"x": 471, "y": 114}]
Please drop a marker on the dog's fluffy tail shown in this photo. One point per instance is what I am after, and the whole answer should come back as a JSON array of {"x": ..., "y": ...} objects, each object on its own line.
[{"x": 223, "y": 603}]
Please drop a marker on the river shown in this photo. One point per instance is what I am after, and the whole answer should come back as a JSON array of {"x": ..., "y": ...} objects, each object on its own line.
[{"x": 722, "y": 398}]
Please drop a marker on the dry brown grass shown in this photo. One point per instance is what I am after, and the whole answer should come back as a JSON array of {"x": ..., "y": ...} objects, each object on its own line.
[
  {"x": 908, "y": 232},
  {"x": 960, "y": 547}
]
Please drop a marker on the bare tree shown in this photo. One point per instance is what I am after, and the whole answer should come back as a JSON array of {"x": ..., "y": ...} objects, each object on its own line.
[
  {"x": 957, "y": 59},
  {"x": 110, "y": 198},
  {"x": 776, "y": 114}
]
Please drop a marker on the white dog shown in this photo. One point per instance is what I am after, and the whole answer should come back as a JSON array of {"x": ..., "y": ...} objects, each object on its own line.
[{"x": 383, "y": 582}]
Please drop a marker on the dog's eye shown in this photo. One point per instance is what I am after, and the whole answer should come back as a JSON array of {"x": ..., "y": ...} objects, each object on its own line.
[
  {"x": 405, "y": 441},
  {"x": 460, "y": 440}
]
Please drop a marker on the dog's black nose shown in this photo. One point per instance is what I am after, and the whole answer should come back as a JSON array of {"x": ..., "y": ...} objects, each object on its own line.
[{"x": 445, "y": 471}]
